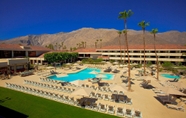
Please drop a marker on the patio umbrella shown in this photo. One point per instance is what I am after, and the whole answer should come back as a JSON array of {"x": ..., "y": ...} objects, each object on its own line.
[
  {"x": 171, "y": 91},
  {"x": 78, "y": 82},
  {"x": 50, "y": 67},
  {"x": 117, "y": 87},
  {"x": 78, "y": 61},
  {"x": 115, "y": 63},
  {"x": 68, "y": 63},
  {"x": 75, "y": 64},
  {"x": 179, "y": 85},
  {"x": 82, "y": 92},
  {"x": 93, "y": 72},
  {"x": 101, "y": 76}
]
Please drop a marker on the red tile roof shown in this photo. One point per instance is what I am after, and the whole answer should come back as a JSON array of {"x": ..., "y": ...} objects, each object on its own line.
[
  {"x": 86, "y": 50},
  {"x": 18, "y": 47},
  {"x": 167, "y": 46}
]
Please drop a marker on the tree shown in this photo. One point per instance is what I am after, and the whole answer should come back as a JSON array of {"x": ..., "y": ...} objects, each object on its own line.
[
  {"x": 96, "y": 44},
  {"x": 59, "y": 46},
  {"x": 85, "y": 44},
  {"x": 154, "y": 31},
  {"x": 64, "y": 47},
  {"x": 50, "y": 46},
  {"x": 120, "y": 32},
  {"x": 62, "y": 43},
  {"x": 100, "y": 43},
  {"x": 143, "y": 25},
  {"x": 56, "y": 45},
  {"x": 82, "y": 44},
  {"x": 125, "y": 15}
]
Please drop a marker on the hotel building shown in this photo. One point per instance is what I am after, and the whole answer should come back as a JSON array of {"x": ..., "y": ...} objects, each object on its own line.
[
  {"x": 15, "y": 57},
  {"x": 171, "y": 53}
]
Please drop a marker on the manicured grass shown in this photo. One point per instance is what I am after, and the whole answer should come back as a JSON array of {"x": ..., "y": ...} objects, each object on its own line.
[{"x": 37, "y": 107}]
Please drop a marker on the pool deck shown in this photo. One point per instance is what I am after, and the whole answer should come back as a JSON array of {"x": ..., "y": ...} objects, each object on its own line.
[{"x": 143, "y": 99}]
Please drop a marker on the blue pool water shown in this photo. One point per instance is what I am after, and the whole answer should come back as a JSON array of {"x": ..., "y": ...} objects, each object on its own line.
[
  {"x": 83, "y": 75},
  {"x": 170, "y": 76}
]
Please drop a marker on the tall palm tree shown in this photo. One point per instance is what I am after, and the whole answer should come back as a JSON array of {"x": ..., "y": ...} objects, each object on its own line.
[
  {"x": 125, "y": 15},
  {"x": 85, "y": 44},
  {"x": 100, "y": 43},
  {"x": 143, "y": 25},
  {"x": 97, "y": 43},
  {"x": 120, "y": 32},
  {"x": 59, "y": 46},
  {"x": 62, "y": 43},
  {"x": 56, "y": 45},
  {"x": 82, "y": 44},
  {"x": 154, "y": 31}
]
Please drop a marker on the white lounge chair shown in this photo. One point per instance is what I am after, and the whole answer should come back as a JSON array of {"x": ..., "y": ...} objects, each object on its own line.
[{"x": 181, "y": 107}]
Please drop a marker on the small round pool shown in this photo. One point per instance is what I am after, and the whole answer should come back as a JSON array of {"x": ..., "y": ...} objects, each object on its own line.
[{"x": 170, "y": 76}]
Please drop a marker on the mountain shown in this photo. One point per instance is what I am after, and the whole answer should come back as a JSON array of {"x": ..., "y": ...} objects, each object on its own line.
[{"x": 90, "y": 35}]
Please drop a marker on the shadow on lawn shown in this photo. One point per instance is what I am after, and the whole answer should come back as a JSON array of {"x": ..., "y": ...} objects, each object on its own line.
[{"x": 9, "y": 113}]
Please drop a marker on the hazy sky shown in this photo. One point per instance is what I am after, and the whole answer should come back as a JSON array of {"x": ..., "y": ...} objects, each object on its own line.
[{"x": 24, "y": 17}]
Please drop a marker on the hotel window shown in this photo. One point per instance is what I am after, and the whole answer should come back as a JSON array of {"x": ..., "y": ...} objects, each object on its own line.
[
  {"x": 136, "y": 51},
  {"x": 172, "y": 51},
  {"x": 5, "y": 54},
  {"x": 19, "y": 53},
  {"x": 32, "y": 53}
]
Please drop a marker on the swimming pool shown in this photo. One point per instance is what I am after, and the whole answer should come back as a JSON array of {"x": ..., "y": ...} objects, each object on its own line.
[
  {"x": 170, "y": 76},
  {"x": 83, "y": 75}
]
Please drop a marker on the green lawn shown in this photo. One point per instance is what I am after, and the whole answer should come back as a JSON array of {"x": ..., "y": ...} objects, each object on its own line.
[{"x": 37, "y": 107}]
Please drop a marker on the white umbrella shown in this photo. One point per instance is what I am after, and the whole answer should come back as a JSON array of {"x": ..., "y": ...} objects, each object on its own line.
[
  {"x": 115, "y": 63},
  {"x": 82, "y": 91},
  {"x": 93, "y": 72},
  {"x": 78, "y": 82},
  {"x": 101, "y": 76},
  {"x": 68, "y": 63},
  {"x": 78, "y": 61},
  {"x": 75, "y": 64}
]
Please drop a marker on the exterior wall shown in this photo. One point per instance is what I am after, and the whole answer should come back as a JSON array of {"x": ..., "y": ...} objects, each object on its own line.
[
  {"x": 38, "y": 61},
  {"x": 17, "y": 61},
  {"x": 172, "y": 55},
  {"x": 3, "y": 64}
]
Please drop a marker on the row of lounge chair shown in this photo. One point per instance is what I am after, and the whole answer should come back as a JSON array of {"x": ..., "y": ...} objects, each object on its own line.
[
  {"x": 49, "y": 86},
  {"x": 177, "y": 107},
  {"x": 51, "y": 95},
  {"x": 119, "y": 111}
]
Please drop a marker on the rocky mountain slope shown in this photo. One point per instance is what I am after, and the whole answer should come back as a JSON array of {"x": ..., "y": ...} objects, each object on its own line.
[{"x": 90, "y": 35}]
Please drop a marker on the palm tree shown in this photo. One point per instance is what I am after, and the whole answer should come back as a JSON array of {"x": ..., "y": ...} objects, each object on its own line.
[
  {"x": 82, "y": 44},
  {"x": 120, "y": 32},
  {"x": 154, "y": 31},
  {"x": 62, "y": 43},
  {"x": 59, "y": 46},
  {"x": 97, "y": 43},
  {"x": 143, "y": 25},
  {"x": 100, "y": 43},
  {"x": 56, "y": 45},
  {"x": 124, "y": 15},
  {"x": 85, "y": 44}
]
